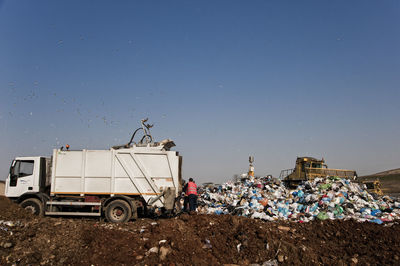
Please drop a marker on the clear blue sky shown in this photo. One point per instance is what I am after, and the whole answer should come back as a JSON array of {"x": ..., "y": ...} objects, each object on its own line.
[{"x": 223, "y": 79}]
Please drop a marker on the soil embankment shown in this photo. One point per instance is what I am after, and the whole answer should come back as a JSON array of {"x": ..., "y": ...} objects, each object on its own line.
[{"x": 192, "y": 239}]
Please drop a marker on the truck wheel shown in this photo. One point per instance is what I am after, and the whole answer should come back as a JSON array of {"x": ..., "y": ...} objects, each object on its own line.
[
  {"x": 118, "y": 211},
  {"x": 33, "y": 205}
]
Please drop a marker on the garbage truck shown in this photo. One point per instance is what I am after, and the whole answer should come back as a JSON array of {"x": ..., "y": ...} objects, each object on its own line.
[
  {"x": 308, "y": 168},
  {"x": 115, "y": 183}
]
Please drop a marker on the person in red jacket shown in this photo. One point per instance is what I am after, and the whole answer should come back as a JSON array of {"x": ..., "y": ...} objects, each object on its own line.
[{"x": 191, "y": 192}]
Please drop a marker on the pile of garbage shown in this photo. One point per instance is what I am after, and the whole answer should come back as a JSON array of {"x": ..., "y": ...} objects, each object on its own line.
[{"x": 323, "y": 198}]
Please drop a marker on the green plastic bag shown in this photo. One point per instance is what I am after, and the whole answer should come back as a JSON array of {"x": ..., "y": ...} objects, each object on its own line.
[
  {"x": 338, "y": 210},
  {"x": 325, "y": 186},
  {"x": 322, "y": 216}
]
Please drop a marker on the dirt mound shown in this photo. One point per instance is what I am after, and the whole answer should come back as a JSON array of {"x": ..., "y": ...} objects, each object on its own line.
[
  {"x": 192, "y": 239},
  {"x": 387, "y": 172},
  {"x": 9, "y": 210}
]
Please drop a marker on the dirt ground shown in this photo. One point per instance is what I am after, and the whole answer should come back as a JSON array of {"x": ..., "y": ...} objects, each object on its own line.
[{"x": 191, "y": 239}]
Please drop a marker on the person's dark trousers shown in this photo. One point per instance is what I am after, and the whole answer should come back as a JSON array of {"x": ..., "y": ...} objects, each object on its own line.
[
  {"x": 192, "y": 202},
  {"x": 186, "y": 204}
]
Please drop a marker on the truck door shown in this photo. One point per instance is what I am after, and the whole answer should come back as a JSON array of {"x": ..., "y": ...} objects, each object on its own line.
[{"x": 20, "y": 179}]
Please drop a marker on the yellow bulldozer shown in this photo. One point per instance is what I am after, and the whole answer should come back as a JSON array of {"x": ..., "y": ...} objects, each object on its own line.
[
  {"x": 309, "y": 168},
  {"x": 372, "y": 186}
]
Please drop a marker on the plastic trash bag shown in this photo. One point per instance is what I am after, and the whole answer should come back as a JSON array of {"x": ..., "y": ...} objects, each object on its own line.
[
  {"x": 322, "y": 216},
  {"x": 377, "y": 221}
]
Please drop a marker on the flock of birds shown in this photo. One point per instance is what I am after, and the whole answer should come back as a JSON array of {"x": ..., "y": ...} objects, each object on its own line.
[
  {"x": 65, "y": 107},
  {"x": 64, "y": 104}
]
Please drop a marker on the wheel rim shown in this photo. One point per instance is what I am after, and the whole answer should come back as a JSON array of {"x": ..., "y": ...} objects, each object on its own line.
[
  {"x": 31, "y": 208},
  {"x": 118, "y": 213}
]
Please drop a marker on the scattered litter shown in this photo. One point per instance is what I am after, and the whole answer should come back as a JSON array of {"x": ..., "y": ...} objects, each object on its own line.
[
  {"x": 164, "y": 251},
  {"x": 207, "y": 244},
  {"x": 7, "y": 245},
  {"x": 10, "y": 223},
  {"x": 152, "y": 250},
  {"x": 270, "y": 263}
]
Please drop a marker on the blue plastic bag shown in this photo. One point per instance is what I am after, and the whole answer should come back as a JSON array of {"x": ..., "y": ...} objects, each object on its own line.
[
  {"x": 377, "y": 221},
  {"x": 375, "y": 212}
]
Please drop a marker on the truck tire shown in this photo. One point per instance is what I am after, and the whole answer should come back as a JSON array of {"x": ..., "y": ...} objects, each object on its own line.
[
  {"x": 118, "y": 211},
  {"x": 34, "y": 205}
]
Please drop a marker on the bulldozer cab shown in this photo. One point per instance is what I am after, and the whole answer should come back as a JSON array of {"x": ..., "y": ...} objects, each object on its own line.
[
  {"x": 302, "y": 170},
  {"x": 307, "y": 163},
  {"x": 309, "y": 168},
  {"x": 304, "y": 164}
]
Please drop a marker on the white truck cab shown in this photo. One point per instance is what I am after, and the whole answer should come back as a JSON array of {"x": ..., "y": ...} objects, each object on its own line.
[{"x": 24, "y": 176}]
